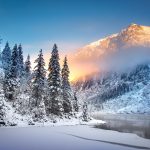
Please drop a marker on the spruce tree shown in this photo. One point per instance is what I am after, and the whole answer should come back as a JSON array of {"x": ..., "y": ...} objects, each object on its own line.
[
  {"x": 27, "y": 67},
  {"x": 54, "y": 103},
  {"x": 38, "y": 83},
  {"x": 1, "y": 65},
  {"x": 2, "y": 110},
  {"x": 14, "y": 63},
  {"x": 75, "y": 103},
  {"x": 20, "y": 62},
  {"x": 1, "y": 71},
  {"x": 28, "y": 76},
  {"x": 67, "y": 106},
  {"x": 85, "y": 116},
  {"x": 11, "y": 80},
  {"x": 25, "y": 88},
  {"x": 6, "y": 59}
]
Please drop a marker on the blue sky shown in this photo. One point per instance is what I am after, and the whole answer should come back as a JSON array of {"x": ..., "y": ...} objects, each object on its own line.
[{"x": 69, "y": 23}]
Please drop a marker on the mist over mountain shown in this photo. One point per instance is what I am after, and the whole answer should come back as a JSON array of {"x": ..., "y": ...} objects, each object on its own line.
[{"x": 125, "y": 59}]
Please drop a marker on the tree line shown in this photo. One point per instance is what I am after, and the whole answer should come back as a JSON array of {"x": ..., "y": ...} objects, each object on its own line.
[{"x": 40, "y": 91}]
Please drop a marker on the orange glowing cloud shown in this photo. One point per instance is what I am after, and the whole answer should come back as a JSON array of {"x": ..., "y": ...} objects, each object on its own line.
[{"x": 80, "y": 68}]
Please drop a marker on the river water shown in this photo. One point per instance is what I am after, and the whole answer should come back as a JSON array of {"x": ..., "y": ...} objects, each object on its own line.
[{"x": 127, "y": 123}]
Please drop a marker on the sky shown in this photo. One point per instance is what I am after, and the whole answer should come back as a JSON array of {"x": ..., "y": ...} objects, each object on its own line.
[{"x": 69, "y": 23}]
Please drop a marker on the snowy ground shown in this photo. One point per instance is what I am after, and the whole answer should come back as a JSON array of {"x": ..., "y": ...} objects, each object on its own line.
[
  {"x": 23, "y": 121},
  {"x": 12, "y": 117},
  {"x": 81, "y": 137}
]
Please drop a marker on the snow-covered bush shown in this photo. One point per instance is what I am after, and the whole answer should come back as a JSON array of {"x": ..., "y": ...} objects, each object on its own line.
[{"x": 38, "y": 113}]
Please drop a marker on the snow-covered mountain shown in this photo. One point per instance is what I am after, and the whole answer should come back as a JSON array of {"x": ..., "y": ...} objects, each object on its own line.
[
  {"x": 114, "y": 90},
  {"x": 132, "y": 36}
]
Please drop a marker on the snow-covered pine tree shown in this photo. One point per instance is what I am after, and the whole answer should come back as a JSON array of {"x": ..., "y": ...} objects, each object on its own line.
[
  {"x": 85, "y": 116},
  {"x": 6, "y": 61},
  {"x": 2, "y": 112},
  {"x": 54, "y": 102},
  {"x": 75, "y": 103},
  {"x": 11, "y": 80},
  {"x": 24, "y": 97},
  {"x": 38, "y": 113},
  {"x": 6, "y": 58},
  {"x": 14, "y": 62},
  {"x": 27, "y": 76},
  {"x": 67, "y": 105},
  {"x": 27, "y": 67},
  {"x": 1, "y": 69},
  {"x": 20, "y": 62},
  {"x": 38, "y": 83}
]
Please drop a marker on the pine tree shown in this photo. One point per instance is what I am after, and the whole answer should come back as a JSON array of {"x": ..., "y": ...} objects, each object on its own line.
[
  {"x": 2, "y": 75},
  {"x": 20, "y": 62},
  {"x": 85, "y": 112},
  {"x": 2, "y": 110},
  {"x": 24, "y": 97},
  {"x": 54, "y": 102},
  {"x": 38, "y": 81},
  {"x": 75, "y": 103},
  {"x": 26, "y": 87},
  {"x": 14, "y": 62},
  {"x": 11, "y": 82},
  {"x": 6, "y": 58},
  {"x": 1, "y": 65},
  {"x": 67, "y": 106},
  {"x": 28, "y": 67}
]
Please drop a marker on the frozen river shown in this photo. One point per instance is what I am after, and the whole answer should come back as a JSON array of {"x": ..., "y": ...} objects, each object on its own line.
[
  {"x": 80, "y": 137},
  {"x": 128, "y": 123}
]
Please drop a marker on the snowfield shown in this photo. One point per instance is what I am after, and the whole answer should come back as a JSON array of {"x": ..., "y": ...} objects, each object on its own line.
[{"x": 79, "y": 137}]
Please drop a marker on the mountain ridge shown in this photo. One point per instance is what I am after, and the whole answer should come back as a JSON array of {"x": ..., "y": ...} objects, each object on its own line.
[{"x": 132, "y": 36}]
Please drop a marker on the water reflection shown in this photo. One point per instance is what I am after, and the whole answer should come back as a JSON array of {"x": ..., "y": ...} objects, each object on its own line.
[{"x": 137, "y": 124}]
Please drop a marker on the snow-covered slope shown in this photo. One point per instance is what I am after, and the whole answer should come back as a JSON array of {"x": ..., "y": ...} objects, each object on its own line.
[
  {"x": 137, "y": 101},
  {"x": 126, "y": 92}
]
